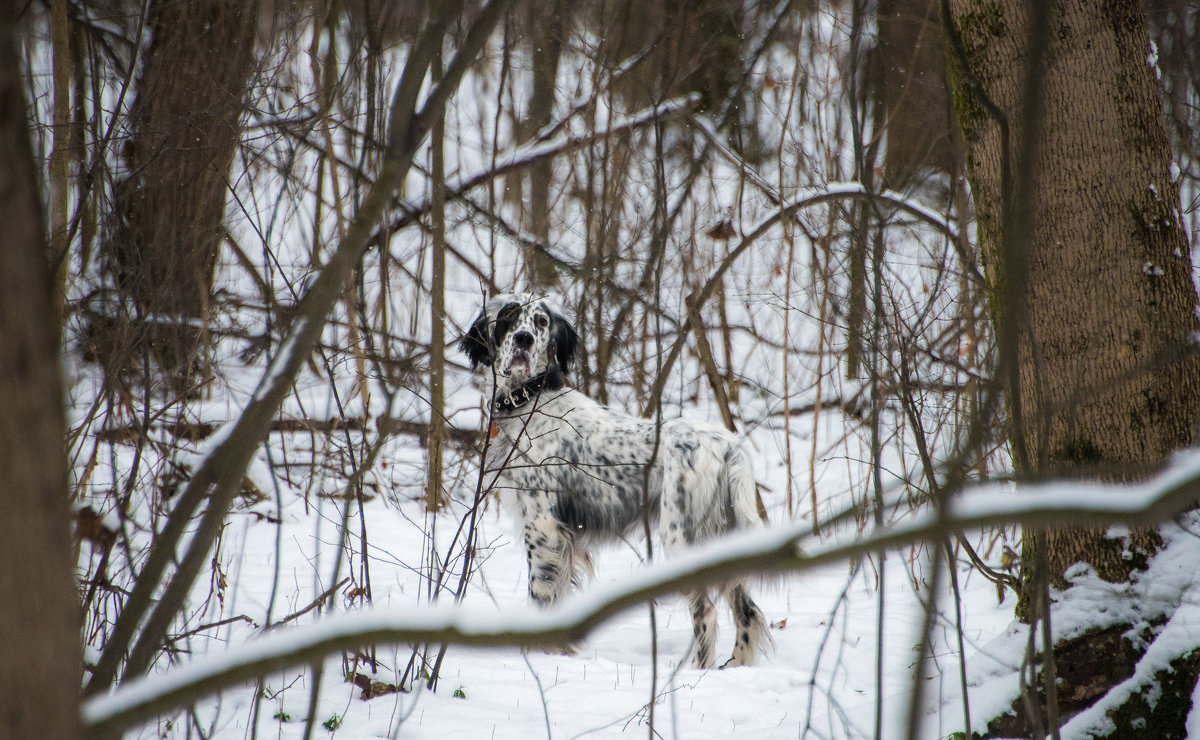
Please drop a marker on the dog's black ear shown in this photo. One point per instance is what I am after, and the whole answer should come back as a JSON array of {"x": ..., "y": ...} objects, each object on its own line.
[
  {"x": 477, "y": 343},
  {"x": 566, "y": 342}
]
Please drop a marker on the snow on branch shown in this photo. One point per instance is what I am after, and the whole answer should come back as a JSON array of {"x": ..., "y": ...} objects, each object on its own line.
[
  {"x": 807, "y": 198},
  {"x": 772, "y": 551},
  {"x": 887, "y": 197},
  {"x": 852, "y": 190},
  {"x": 526, "y": 154}
]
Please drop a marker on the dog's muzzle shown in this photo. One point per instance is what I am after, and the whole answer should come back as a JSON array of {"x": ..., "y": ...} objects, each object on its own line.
[{"x": 519, "y": 364}]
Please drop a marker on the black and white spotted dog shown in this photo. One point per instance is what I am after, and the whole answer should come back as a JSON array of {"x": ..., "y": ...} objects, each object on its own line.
[{"x": 578, "y": 470}]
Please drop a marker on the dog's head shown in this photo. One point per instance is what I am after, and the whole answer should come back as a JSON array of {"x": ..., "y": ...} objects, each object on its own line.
[{"x": 521, "y": 337}]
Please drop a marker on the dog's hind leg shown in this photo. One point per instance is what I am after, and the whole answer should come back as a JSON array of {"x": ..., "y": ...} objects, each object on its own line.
[
  {"x": 677, "y": 530},
  {"x": 751, "y": 627},
  {"x": 704, "y": 628}
]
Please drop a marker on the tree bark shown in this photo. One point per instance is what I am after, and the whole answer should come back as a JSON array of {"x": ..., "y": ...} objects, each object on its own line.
[
  {"x": 1108, "y": 378},
  {"x": 548, "y": 26},
  {"x": 39, "y": 613},
  {"x": 184, "y": 129},
  {"x": 436, "y": 443},
  {"x": 913, "y": 92},
  {"x": 1088, "y": 266}
]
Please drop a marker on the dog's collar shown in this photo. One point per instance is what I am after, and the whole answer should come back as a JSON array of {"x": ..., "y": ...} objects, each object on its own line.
[{"x": 526, "y": 392}]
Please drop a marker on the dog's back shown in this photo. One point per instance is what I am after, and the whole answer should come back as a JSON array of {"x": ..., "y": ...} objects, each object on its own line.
[{"x": 579, "y": 473}]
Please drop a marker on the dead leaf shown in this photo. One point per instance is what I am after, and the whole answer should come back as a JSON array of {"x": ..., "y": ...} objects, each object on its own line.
[
  {"x": 722, "y": 231},
  {"x": 89, "y": 526},
  {"x": 371, "y": 688}
]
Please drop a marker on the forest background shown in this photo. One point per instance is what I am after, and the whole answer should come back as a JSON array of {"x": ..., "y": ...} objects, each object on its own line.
[{"x": 933, "y": 260}]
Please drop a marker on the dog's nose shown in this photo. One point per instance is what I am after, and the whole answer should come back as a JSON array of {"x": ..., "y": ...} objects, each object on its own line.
[{"x": 523, "y": 340}]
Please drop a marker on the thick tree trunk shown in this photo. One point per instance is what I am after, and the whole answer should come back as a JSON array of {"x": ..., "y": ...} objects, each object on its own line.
[
  {"x": 39, "y": 619},
  {"x": 1090, "y": 285},
  {"x": 185, "y": 127},
  {"x": 1109, "y": 383}
]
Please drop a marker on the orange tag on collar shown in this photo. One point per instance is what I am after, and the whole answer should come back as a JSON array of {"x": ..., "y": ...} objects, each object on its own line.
[{"x": 493, "y": 430}]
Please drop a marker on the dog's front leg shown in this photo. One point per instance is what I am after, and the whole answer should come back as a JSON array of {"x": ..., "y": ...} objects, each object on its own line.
[{"x": 549, "y": 551}]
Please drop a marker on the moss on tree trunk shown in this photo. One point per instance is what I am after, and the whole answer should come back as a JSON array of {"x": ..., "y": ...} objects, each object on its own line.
[{"x": 1093, "y": 281}]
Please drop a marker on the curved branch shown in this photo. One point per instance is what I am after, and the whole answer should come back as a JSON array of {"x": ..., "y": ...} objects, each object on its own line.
[{"x": 833, "y": 192}]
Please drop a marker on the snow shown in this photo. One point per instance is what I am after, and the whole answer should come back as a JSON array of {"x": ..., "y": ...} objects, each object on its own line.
[
  {"x": 818, "y": 673},
  {"x": 1168, "y": 588},
  {"x": 806, "y": 665}
]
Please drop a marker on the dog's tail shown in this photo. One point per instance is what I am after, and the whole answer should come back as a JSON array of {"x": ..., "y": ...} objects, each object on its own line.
[{"x": 742, "y": 490}]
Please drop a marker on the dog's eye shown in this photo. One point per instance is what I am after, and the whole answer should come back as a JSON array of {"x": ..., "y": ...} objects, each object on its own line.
[
  {"x": 541, "y": 321},
  {"x": 508, "y": 313}
]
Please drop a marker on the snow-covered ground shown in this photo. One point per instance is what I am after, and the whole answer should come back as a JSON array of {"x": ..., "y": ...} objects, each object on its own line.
[{"x": 818, "y": 681}]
